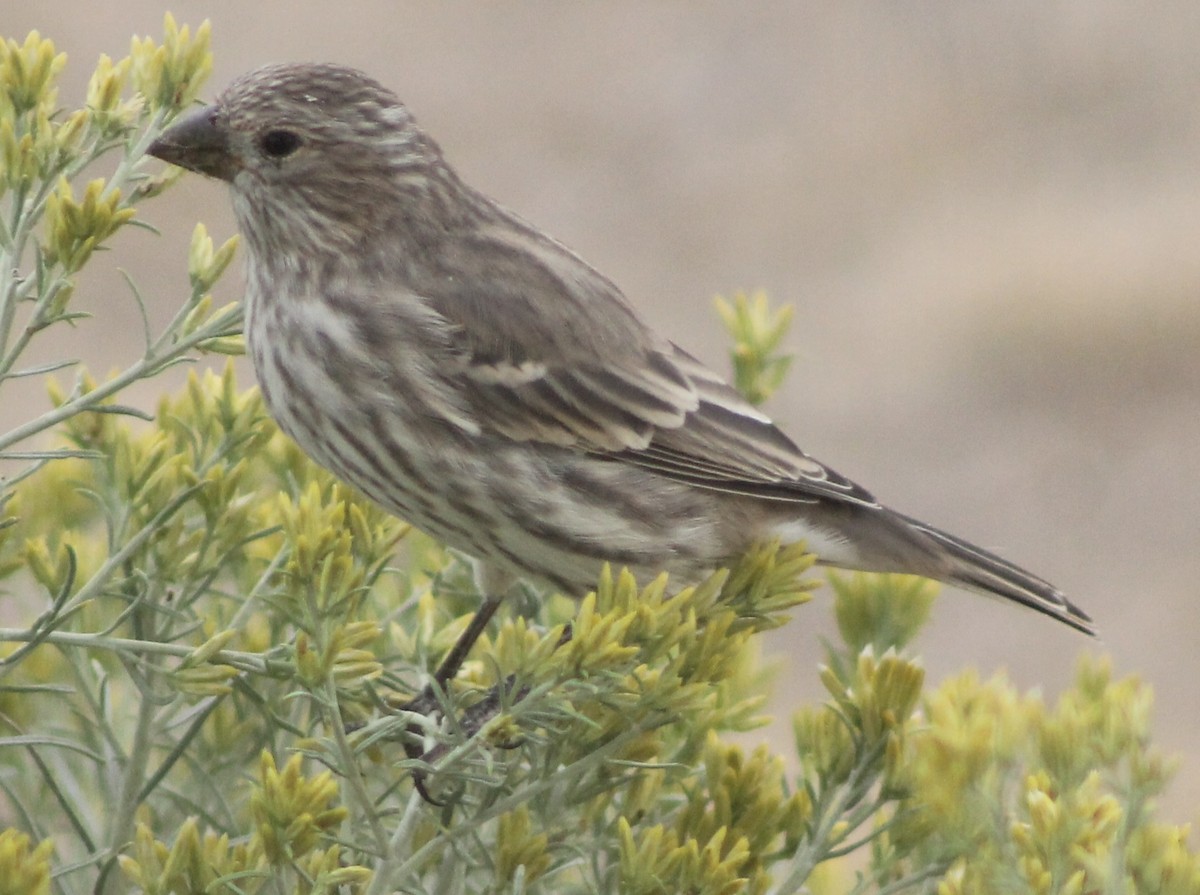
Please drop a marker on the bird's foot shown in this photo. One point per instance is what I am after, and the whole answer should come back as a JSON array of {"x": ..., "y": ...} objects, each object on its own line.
[{"x": 431, "y": 701}]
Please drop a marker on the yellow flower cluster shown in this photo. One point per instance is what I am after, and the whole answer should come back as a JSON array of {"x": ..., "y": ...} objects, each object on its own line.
[
  {"x": 169, "y": 75},
  {"x": 1022, "y": 797},
  {"x": 31, "y": 144},
  {"x": 758, "y": 330},
  {"x": 24, "y": 870},
  {"x": 291, "y": 816}
]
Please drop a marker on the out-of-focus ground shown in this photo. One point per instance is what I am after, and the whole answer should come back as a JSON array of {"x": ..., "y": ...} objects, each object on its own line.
[{"x": 986, "y": 215}]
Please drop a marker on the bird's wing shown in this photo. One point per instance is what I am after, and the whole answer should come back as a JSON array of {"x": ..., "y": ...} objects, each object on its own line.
[
  {"x": 546, "y": 349},
  {"x": 727, "y": 444}
]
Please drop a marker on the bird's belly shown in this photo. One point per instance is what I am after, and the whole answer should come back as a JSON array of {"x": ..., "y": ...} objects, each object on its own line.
[{"x": 541, "y": 511}]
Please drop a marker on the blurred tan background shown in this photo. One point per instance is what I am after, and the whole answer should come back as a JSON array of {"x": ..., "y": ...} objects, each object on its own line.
[{"x": 986, "y": 215}]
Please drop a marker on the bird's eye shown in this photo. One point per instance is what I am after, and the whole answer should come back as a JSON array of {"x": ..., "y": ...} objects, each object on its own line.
[{"x": 279, "y": 143}]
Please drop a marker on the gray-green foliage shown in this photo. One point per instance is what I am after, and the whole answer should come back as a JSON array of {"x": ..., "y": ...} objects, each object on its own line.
[{"x": 213, "y": 641}]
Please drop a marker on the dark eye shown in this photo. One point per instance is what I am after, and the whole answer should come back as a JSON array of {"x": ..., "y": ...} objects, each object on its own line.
[{"x": 279, "y": 143}]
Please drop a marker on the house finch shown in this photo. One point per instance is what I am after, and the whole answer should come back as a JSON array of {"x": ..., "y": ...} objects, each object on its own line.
[{"x": 482, "y": 381}]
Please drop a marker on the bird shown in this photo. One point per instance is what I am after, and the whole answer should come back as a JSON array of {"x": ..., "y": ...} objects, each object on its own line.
[{"x": 479, "y": 379}]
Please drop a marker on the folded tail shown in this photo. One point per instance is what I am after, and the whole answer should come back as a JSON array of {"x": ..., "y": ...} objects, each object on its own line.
[{"x": 976, "y": 569}]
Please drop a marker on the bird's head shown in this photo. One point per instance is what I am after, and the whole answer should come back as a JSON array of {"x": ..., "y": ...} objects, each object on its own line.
[
  {"x": 287, "y": 122},
  {"x": 314, "y": 146}
]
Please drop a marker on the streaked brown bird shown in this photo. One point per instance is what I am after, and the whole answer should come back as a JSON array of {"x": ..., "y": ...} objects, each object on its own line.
[{"x": 482, "y": 381}]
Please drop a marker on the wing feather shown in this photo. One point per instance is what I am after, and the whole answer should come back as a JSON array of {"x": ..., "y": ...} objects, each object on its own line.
[{"x": 552, "y": 352}]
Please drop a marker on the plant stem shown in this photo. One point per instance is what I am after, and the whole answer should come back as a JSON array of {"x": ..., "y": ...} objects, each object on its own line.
[
  {"x": 252, "y": 662},
  {"x": 121, "y": 830},
  {"x": 148, "y": 366}
]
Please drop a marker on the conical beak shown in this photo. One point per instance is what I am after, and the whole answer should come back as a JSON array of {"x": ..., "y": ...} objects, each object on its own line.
[{"x": 198, "y": 143}]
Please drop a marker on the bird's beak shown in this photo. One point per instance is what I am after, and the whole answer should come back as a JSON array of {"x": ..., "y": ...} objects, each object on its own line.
[{"x": 198, "y": 143}]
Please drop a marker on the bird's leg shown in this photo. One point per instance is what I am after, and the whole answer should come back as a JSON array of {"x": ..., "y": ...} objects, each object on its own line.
[
  {"x": 428, "y": 701},
  {"x": 455, "y": 658},
  {"x": 473, "y": 718}
]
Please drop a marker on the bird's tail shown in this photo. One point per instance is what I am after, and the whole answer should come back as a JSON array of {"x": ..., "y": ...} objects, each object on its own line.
[{"x": 976, "y": 569}]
